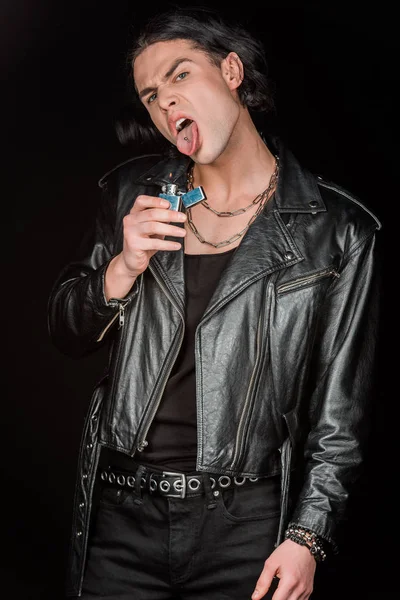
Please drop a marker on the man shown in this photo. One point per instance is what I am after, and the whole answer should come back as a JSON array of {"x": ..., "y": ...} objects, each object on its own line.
[{"x": 223, "y": 444}]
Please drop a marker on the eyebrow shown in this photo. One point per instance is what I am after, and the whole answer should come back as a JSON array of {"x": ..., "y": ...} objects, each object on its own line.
[{"x": 172, "y": 68}]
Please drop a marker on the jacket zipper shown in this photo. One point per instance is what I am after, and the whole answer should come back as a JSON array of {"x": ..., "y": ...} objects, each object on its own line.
[
  {"x": 245, "y": 417},
  {"x": 120, "y": 304},
  {"x": 246, "y": 413},
  {"x": 306, "y": 280},
  {"x": 174, "y": 353}
]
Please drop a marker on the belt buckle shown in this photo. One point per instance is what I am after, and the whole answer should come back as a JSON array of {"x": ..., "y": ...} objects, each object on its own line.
[{"x": 179, "y": 486}]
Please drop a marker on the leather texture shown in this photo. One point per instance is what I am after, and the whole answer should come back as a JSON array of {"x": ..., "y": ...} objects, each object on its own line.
[{"x": 284, "y": 352}]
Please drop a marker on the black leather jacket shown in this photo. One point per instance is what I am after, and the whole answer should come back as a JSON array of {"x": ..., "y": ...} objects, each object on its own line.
[{"x": 284, "y": 351}]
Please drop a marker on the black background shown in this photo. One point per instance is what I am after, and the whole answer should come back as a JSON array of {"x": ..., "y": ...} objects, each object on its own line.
[{"x": 334, "y": 67}]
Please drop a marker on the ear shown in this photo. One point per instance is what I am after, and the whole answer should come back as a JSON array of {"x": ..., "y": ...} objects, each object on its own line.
[{"x": 232, "y": 70}]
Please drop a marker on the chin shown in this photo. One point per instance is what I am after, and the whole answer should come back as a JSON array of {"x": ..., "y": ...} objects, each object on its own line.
[{"x": 202, "y": 157}]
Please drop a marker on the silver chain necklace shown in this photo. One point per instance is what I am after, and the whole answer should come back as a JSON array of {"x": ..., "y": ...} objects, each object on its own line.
[{"x": 260, "y": 199}]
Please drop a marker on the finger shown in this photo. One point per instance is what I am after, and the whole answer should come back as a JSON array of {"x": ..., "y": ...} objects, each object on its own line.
[
  {"x": 158, "y": 214},
  {"x": 142, "y": 202},
  {"x": 136, "y": 225},
  {"x": 154, "y": 228},
  {"x": 265, "y": 583},
  {"x": 155, "y": 244}
]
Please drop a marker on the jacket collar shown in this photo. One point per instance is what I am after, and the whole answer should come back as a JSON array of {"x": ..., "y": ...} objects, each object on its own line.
[
  {"x": 167, "y": 170},
  {"x": 297, "y": 190}
]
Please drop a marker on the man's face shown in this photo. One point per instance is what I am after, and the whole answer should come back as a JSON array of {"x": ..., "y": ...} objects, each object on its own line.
[{"x": 192, "y": 102}]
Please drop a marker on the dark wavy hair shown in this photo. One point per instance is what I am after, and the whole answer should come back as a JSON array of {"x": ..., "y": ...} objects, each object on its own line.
[{"x": 211, "y": 33}]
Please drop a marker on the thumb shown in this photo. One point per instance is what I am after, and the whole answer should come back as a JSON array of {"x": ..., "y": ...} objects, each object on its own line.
[{"x": 267, "y": 581}]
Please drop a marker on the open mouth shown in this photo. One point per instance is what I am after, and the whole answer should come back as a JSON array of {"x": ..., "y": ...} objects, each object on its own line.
[{"x": 182, "y": 123}]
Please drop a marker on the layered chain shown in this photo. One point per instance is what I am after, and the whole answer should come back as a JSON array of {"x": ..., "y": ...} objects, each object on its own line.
[{"x": 259, "y": 200}]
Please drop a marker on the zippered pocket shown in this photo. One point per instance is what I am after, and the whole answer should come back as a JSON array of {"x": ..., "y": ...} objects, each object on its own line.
[{"x": 306, "y": 280}]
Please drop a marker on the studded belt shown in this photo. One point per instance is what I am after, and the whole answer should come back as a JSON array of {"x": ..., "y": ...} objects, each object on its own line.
[{"x": 171, "y": 484}]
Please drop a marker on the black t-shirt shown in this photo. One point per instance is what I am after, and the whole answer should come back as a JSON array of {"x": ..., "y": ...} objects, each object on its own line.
[{"x": 172, "y": 438}]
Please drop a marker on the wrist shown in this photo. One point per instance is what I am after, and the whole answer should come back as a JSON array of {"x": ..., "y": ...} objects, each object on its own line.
[
  {"x": 119, "y": 266},
  {"x": 118, "y": 279},
  {"x": 308, "y": 538}
]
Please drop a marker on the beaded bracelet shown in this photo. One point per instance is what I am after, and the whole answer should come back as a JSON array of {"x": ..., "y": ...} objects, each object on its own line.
[{"x": 306, "y": 537}]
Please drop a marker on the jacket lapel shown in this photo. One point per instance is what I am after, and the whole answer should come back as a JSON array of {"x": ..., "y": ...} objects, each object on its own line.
[
  {"x": 168, "y": 267},
  {"x": 266, "y": 247}
]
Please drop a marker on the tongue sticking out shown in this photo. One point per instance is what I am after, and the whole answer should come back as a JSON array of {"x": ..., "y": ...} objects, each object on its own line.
[{"x": 188, "y": 139}]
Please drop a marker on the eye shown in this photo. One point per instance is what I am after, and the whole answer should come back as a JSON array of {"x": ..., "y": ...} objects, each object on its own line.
[
  {"x": 151, "y": 98},
  {"x": 182, "y": 75}
]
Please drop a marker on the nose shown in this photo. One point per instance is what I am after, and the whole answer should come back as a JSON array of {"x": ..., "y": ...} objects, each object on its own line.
[{"x": 166, "y": 97}]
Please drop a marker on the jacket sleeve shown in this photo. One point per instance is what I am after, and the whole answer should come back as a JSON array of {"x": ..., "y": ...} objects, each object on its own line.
[
  {"x": 78, "y": 312},
  {"x": 344, "y": 368}
]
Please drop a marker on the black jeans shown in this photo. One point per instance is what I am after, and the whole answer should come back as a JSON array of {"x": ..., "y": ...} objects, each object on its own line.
[{"x": 178, "y": 549}]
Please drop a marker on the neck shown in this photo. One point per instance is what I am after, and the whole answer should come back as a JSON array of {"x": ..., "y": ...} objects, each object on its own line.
[{"x": 231, "y": 181}]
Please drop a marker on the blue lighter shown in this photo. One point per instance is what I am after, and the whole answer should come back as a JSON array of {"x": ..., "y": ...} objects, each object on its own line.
[
  {"x": 170, "y": 193},
  {"x": 193, "y": 197},
  {"x": 175, "y": 198}
]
